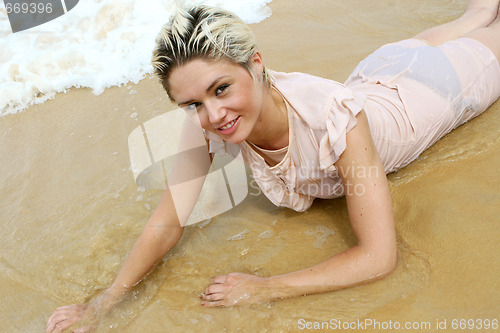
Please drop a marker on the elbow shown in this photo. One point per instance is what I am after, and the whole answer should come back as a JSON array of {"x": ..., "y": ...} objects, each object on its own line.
[
  {"x": 172, "y": 232},
  {"x": 387, "y": 263},
  {"x": 165, "y": 240},
  {"x": 382, "y": 261},
  {"x": 165, "y": 232}
]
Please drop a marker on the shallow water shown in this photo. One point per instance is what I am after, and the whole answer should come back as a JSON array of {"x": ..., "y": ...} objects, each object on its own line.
[{"x": 70, "y": 210}]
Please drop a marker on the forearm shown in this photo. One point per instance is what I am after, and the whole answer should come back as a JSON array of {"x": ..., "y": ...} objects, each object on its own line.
[
  {"x": 154, "y": 242},
  {"x": 165, "y": 227},
  {"x": 354, "y": 266}
]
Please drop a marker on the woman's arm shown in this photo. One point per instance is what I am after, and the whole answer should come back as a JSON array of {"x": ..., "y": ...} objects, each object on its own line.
[
  {"x": 161, "y": 233},
  {"x": 165, "y": 227},
  {"x": 370, "y": 211}
]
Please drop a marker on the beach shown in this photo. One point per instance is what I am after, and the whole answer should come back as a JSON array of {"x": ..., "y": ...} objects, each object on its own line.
[{"x": 70, "y": 210}]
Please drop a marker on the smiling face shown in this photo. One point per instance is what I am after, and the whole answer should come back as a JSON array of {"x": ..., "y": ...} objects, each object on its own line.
[{"x": 224, "y": 95}]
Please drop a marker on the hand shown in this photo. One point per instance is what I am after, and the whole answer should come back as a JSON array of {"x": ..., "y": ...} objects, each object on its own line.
[
  {"x": 235, "y": 289},
  {"x": 86, "y": 314},
  {"x": 65, "y": 316}
]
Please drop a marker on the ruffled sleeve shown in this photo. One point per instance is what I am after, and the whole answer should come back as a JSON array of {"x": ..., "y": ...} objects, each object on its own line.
[
  {"x": 340, "y": 119},
  {"x": 327, "y": 107}
]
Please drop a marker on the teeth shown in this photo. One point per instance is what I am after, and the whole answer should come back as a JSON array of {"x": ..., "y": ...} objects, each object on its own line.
[{"x": 228, "y": 125}]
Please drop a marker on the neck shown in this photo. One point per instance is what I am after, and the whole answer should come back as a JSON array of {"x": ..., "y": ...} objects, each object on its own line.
[{"x": 271, "y": 130}]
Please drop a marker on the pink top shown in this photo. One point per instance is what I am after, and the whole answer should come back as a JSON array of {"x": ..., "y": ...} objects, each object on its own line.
[{"x": 320, "y": 113}]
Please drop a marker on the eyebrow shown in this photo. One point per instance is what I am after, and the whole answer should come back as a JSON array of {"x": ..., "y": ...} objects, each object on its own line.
[{"x": 214, "y": 82}]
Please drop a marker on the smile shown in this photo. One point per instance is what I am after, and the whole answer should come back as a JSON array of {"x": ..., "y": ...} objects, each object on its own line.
[{"x": 227, "y": 128}]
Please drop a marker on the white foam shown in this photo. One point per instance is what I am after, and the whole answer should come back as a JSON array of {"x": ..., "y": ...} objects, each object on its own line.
[{"x": 98, "y": 44}]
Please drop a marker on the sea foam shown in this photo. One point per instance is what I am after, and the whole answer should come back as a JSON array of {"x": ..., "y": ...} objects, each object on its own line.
[{"x": 98, "y": 44}]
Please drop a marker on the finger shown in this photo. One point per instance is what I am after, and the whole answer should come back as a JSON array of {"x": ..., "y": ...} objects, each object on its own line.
[
  {"x": 213, "y": 304},
  {"x": 66, "y": 307},
  {"x": 62, "y": 319},
  {"x": 213, "y": 297},
  {"x": 50, "y": 325},
  {"x": 81, "y": 330},
  {"x": 219, "y": 279},
  {"x": 61, "y": 313},
  {"x": 60, "y": 327},
  {"x": 49, "y": 328},
  {"x": 215, "y": 288},
  {"x": 55, "y": 319},
  {"x": 58, "y": 318}
]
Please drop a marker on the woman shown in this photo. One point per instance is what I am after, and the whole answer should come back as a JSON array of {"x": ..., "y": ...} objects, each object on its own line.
[{"x": 306, "y": 137}]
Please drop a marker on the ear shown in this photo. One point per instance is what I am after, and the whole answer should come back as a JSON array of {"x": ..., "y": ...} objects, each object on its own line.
[{"x": 256, "y": 62}]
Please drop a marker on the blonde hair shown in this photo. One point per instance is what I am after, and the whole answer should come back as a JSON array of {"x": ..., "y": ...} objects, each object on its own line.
[{"x": 206, "y": 33}]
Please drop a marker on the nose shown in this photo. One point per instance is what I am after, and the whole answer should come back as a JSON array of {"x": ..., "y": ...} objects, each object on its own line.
[{"x": 216, "y": 113}]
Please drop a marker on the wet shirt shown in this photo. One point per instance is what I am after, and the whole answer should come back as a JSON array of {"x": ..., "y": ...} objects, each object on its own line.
[{"x": 320, "y": 113}]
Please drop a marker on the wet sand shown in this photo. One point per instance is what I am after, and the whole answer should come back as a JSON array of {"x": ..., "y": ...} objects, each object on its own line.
[{"x": 70, "y": 210}]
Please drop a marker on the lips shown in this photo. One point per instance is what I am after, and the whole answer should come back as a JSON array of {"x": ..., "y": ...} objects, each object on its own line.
[{"x": 229, "y": 127}]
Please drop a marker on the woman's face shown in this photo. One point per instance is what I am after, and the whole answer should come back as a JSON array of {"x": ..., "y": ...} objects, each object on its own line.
[{"x": 226, "y": 98}]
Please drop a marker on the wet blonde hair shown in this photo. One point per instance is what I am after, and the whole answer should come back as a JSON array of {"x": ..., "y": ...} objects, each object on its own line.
[{"x": 206, "y": 33}]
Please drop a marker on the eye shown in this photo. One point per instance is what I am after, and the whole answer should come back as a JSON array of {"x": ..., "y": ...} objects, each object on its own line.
[
  {"x": 192, "y": 107},
  {"x": 221, "y": 89}
]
